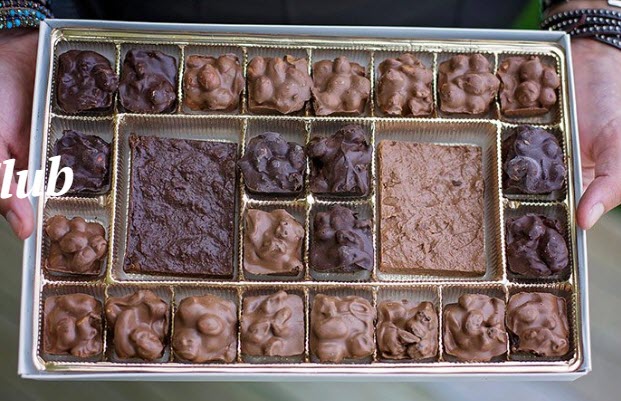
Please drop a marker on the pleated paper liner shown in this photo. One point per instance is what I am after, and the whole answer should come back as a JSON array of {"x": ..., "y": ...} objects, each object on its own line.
[
  {"x": 413, "y": 294},
  {"x": 558, "y": 212},
  {"x": 455, "y": 132},
  {"x": 95, "y": 290},
  {"x": 166, "y": 294},
  {"x": 203, "y": 128},
  {"x": 108, "y": 50},
  {"x": 91, "y": 210}
]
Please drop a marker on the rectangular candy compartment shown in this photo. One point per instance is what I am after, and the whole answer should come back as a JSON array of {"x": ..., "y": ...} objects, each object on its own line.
[{"x": 366, "y": 46}]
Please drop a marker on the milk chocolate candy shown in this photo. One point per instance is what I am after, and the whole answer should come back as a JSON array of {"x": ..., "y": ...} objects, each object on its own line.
[
  {"x": 340, "y": 87},
  {"x": 404, "y": 87},
  {"x": 212, "y": 83}
]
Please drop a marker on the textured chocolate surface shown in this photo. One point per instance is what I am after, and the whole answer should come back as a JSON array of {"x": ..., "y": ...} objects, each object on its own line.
[
  {"x": 341, "y": 241},
  {"x": 76, "y": 247},
  {"x": 527, "y": 86},
  {"x": 438, "y": 191},
  {"x": 535, "y": 246},
  {"x": 278, "y": 84},
  {"x": 273, "y": 325},
  {"x": 205, "y": 330},
  {"x": 148, "y": 82},
  {"x": 271, "y": 165},
  {"x": 533, "y": 161},
  {"x": 89, "y": 158},
  {"x": 72, "y": 325},
  {"x": 212, "y": 83},
  {"x": 474, "y": 328},
  {"x": 538, "y": 323},
  {"x": 404, "y": 87},
  {"x": 340, "y": 87},
  {"x": 466, "y": 84},
  {"x": 85, "y": 81},
  {"x": 341, "y": 328},
  {"x": 182, "y": 207},
  {"x": 406, "y": 330},
  {"x": 139, "y": 325},
  {"x": 341, "y": 163},
  {"x": 273, "y": 243}
]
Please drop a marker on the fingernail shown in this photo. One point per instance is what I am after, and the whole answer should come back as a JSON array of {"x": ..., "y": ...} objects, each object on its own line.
[
  {"x": 594, "y": 214},
  {"x": 14, "y": 222}
]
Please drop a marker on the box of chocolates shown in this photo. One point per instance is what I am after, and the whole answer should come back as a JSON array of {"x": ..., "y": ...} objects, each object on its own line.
[{"x": 311, "y": 203}]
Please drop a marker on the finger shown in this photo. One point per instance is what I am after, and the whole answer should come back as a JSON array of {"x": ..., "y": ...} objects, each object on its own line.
[
  {"x": 18, "y": 213},
  {"x": 604, "y": 193}
]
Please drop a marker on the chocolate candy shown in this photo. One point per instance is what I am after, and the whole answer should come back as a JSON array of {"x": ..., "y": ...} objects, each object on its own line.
[
  {"x": 341, "y": 163},
  {"x": 404, "y": 87},
  {"x": 341, "y": 241},
  {"x": 139, "y": 325},
  {"x": 148, "y": 82},
  {"x": 89, "y": 158},
  {"x": 205, "y": 330},
  {"x": 535, "y": 246},
  {"x": 339, "y": 87},
  {"x": 273, "y": 325},
  {"x": 533, "y": 161},
  {"x": 211, "y": 83},
  {"x": 474, "y": 328},
  {"x": 272, "y": 243},
  {"x": 407, "y": 331},
  {"x": 527, "y": 86},
  {"x": 341, "y": 328},
  {"x": 182, "y": 207},
  {"x": 466, "y": 84},
  {"x": 278, "y": 84},
  {"x": 72, "y": 325},
  {"x": 76, "y": 247},
  {"x": 272, "y": 165},
  {"x": 85, "y": 81},
  {"x": 538, "y": 323}
]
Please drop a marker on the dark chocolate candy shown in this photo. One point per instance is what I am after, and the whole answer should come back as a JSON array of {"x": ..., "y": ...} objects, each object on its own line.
[
  {"x": 533, "y": 161},
  {"x": 404, "y": 87},
  {"x": 85, "y": 81},
  {"x": 211, "y": 83},
  {"x": 148, "y": 82},
  {"x": 339, "y": 87}
]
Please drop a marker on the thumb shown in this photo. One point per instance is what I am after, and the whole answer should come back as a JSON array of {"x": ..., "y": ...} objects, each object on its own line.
[
  {"x": 604, "y": 192},
  {"x": 18, "y": 212}
]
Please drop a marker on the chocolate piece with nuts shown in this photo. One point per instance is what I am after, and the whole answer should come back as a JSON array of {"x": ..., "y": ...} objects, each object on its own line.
[
  {"x": 404, "y": 87},
  {"x": 211, "y": 83},
  {"x": 340, "y": 87}
]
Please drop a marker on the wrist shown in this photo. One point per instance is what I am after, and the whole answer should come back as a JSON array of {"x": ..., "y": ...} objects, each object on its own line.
[{"x": 577, "y": 5}]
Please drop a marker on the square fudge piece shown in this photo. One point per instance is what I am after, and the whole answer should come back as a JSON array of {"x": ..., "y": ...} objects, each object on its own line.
[
  {"x": 182, "y": 207},
  {"x": 431, "y": 209}
]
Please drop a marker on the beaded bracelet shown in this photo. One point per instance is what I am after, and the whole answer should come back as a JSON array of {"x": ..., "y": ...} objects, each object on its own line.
[
  {"x": 602, "y": 25},
  {"x": 22, "y": 14}
]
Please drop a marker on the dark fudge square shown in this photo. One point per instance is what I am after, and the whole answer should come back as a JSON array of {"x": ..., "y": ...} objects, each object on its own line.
[{"x": 182, "y": 207}]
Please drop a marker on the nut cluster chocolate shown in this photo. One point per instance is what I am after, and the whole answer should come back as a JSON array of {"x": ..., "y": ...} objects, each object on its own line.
[
  {"x": 85, "y": 81},
  {"x": 340, "y": 87},
  {"x": 404, "y": 87},
  {"x": 211, "y": 83},
  {"x": 76, "y": 246}
]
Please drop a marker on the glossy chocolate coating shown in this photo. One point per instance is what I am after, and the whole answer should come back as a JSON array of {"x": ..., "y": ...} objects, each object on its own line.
[
  {"x": 272, "y": 243},
  {"x": 205, "y": 330},
  {"x": 341, "y": 241},
  {"x": 533, "y": 161},
  {"x": 341, "y": 328},
  {"x": 273, "y": 325},
  {"x": 85, "y": 81},
  {"x": 527, "y": 86},
  {"x": 272, "y": 165},
  {"x": 139, "y": 325},
  {"x": 407, "y": 331},
  {"x": 535, "y": 246},
  {"x": 341, "y": 163},
  {"x": 89, "y": 158},
  {"x": 538, "y": 323},
  {"x": 466, "y": 84},
  {"x": 340, "y": 87},
  {"x": 182, "y": 207},
  {"x": 76, "y": 247},
  {"x": 474, "y": 328},
  {"x": 211, "y": 83},
  {"x": 404, "y": 87},
  {"x": 278, "y": 84},
  {"x": 148, "y": 82},
  {"x": 72, "y": 325}
]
